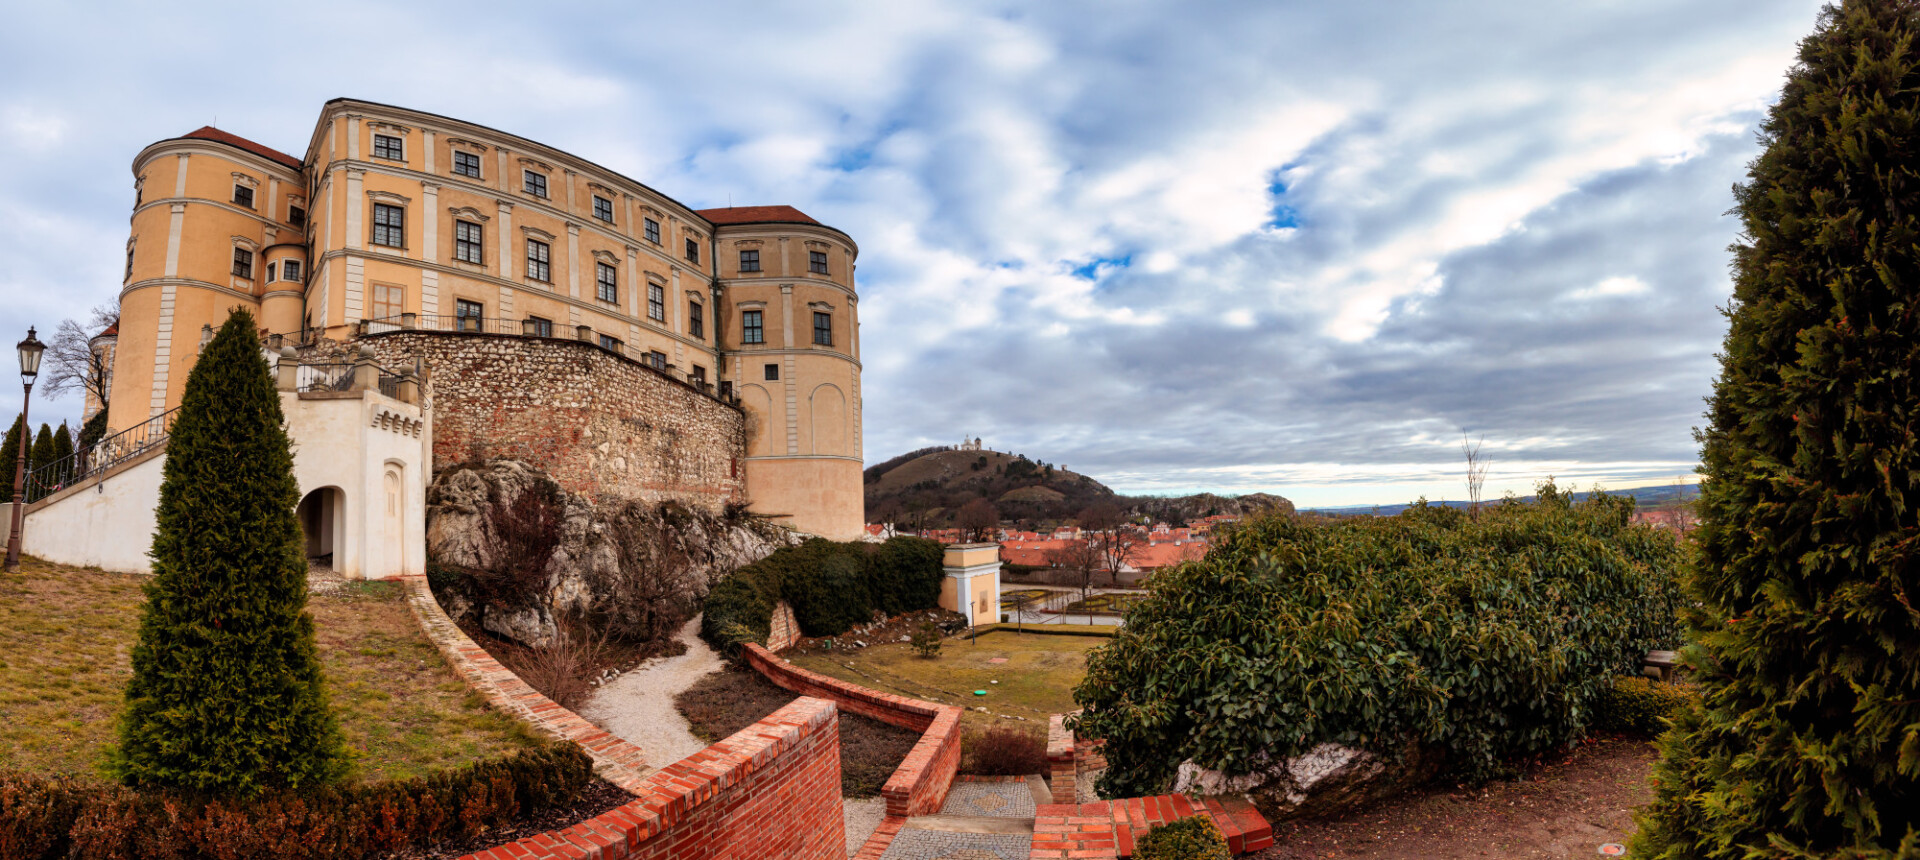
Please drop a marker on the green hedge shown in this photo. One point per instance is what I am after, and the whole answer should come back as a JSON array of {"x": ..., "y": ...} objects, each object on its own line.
[
  {"x": 45, "y": 819},
  {"x": 1481, "y": 639},
  {"x": 832, "y": 587},
  {"x": 1193, "y": 838},
  {"x": 1642, "y": 705}
]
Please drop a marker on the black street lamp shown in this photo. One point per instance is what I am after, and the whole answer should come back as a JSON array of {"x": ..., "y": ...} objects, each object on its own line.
[{"x": 30, "y": 350}]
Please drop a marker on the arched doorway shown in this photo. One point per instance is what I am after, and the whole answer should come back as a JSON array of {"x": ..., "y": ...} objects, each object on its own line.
[{"x": 323, "y": 520}]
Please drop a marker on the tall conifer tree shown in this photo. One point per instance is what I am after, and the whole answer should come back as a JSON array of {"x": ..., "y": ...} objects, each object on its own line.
[
  {"x": 226, "y": 694},
  {"x": 42, "y": 451},
  {"x": 1808, "y": 576},
  {"x": 10, "y": 459}
]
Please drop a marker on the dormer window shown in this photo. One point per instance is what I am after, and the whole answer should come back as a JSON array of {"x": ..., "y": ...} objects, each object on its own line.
[
  {"x": 534, "y": 183},
  {"x": 389, "y": 147}
]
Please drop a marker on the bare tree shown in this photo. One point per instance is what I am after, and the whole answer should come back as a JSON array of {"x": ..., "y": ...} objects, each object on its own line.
[
  {"x": 1080, "y": 559},
  {"x": 979, "y": 519},
  {"x": 1112, "y": 537},
  {"x": 71, "y": 364},
  {"x": 1476, "y": 472}
]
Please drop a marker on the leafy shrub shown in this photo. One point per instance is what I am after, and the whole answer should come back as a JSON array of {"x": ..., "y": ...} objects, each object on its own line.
[
  {"x": 1481, "y": 639},
  {"x": 1642, "y": 705},
  {"x": 1192, "y": 838},
  {"x": 42, "y": 819},
  {"x": 1005, "y": 751},
  {"x": 831, "y": 586}
]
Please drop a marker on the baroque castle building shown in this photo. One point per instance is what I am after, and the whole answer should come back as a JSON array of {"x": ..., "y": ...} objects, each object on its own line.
[{"x": 399, "y": 221}]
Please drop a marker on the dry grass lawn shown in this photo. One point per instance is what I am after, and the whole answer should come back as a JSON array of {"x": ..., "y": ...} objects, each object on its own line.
[
  {"x": 1036, "y": 681},
  {"x": 66, "y": 636}
]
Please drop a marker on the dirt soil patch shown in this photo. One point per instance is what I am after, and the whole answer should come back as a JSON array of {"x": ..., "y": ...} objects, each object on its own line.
[
  {"x": 1561, "y": 809},
  {"x": 1032, "y": 680},
  {"x": 65, "y": 658},
  {"x": 726, "y": 702}
]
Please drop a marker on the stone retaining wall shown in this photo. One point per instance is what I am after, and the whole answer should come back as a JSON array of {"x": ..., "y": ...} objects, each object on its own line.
[{"x": 601, "y": 424}]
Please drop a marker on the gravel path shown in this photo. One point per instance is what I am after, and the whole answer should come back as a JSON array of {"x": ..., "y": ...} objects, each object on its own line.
[{"x": 638, "y": 706}]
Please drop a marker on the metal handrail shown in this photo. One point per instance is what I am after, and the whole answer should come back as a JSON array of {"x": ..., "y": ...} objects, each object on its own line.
[
  {"x": 100, "y": 456},
  {"x": 324, "y": 377}
]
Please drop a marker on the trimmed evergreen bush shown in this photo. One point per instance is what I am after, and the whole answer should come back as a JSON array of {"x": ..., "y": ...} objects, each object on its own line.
[
  {"x": 832, "y": 587},
  {"x": 39, "y": 455},
  {"x": 1807, "y": 742},
  {"x": 1192, "y": 838},
  {"x": 10, "y": 459},
  {"x": 1642, "y": 705},
  {"x": 1480, "y": 639},
  {"x": 60, "y": 819},
  {"x": 226, "y": 695}
]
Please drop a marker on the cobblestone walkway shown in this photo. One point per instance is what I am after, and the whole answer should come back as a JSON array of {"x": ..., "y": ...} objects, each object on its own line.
[
  {"x": 944, "y": 845},
  {"x": 1004, "y": 799}
]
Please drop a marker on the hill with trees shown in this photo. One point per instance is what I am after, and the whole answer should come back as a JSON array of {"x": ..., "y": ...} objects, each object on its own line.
[{"x": 931, "y": 487}]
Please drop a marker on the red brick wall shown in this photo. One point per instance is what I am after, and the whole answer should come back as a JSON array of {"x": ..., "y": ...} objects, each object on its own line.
[
  {"x": 783, "y": 628},
  {"x": 1064, "y": 773},
  {"x": 920, "y": 784},
  {"x": 773, "y": 790},
  {"x": 599, "y": 423}
]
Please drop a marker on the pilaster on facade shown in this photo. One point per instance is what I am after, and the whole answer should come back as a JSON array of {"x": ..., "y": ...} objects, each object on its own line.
[
  {"x": 506, "y": 236},
  {"x": 162, "y": 351},
  {"x": 180, "y": 178},
  {"x": 175, "y": 220},
  {"x": 573, "y": 253},
  {"x": 356, "y": 209}
]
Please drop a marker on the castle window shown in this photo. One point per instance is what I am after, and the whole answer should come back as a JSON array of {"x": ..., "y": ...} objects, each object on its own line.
[
  {"x": 389, "y": 302},
  {"x": 603, "y": 208},
  {"x": 751, "y": 330},
  {"x": 726, "y": 389},
  {"x": 693, "y": 251},
  {"x": 467, "y": 315},
  {"x": 466, "y": 164},
  {"x": 538, "y": 327},
  {"x": 698, "y": 375},
  {"x": 696, "y": 320},
  {"x": 273, "y": 272},
  {"x": 823, "y": 328},
  {"x": 389, "y": 147},
  {"x": 773, "y": 373},
  {"x": 817, "y": 262},
  {"x": 129, "y": 276},
  {"x": 466, "y": 242},
  {"x": 656, "y": 302},
  {"x": 609, "y": 281},
  {"x": 243, "y": 196},
  {"x": 243, "y": 263},
  {"x": 749, "y": 261},
  {"x": 653, "y": 231},
  {"x": 389, "y": 225},
  {"x": 534, "y": 183},
  {"x": 657, "y": 360},
  {"x": 290, "y": 270},
  {"x": 609, "y": 343},
  {"x": 538, "y": 261},
  {"x": 296, "y": 216}
]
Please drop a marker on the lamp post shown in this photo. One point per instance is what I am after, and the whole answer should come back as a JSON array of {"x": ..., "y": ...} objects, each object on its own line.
[{"x": 30, "y": 350}]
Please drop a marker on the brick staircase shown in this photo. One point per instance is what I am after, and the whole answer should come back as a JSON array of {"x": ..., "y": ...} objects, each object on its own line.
[{"x": 1109, "y": 828}]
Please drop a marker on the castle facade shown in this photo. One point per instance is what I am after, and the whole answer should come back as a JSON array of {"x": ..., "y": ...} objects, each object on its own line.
[{"x": 397, "y": 221}]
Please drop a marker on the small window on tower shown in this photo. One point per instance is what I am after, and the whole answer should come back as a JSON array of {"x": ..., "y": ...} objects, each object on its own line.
[
  {"x": 773, "y": 372},
  {"x": 243, "y": 196},
  {"x": 242, "y": 263}
]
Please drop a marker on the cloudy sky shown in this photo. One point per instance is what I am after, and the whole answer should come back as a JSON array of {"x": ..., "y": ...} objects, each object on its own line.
[{"x": 1292, "y": 246}]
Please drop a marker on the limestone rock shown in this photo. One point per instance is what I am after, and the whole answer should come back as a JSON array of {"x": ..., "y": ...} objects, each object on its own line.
[
  {"x": 1326, "y": 779},
  {"x": 632, "y": 570}
]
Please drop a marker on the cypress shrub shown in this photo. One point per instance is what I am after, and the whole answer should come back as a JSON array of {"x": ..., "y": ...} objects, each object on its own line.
[
  {"x": 62, "y": 443},
  {"x": 10, "y": 458},
  {"x": 39, "y": 455},
  {"x": 1807, "y": 585},
  {"x": 94, "y": 430},
  {"x": 226, "y": 695},
  {"x": 1482, "y": 640}
]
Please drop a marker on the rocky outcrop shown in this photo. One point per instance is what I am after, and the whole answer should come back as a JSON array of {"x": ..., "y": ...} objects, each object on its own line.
[
  {"x": 1326, "y": 779},
  {"x": 631, "y": 570}
]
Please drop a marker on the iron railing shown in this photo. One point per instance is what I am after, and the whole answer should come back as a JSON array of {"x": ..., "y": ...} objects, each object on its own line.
[
  {"x": 323, "y": 377},
  {"x": 100, "y": 456},
  {"x": 547, "y": 329}
]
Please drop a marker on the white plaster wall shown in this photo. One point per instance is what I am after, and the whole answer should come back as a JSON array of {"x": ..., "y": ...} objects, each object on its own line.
[
  {"x": 108, "y": 525},
  {"x": 343, "y": 443}
]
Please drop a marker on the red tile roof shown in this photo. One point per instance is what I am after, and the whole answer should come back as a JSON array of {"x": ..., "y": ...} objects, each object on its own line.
[
  {"x": 755, "y": 215},
  {"x": 207, "y": 132},
  {"x": 112, "y": 330}
]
